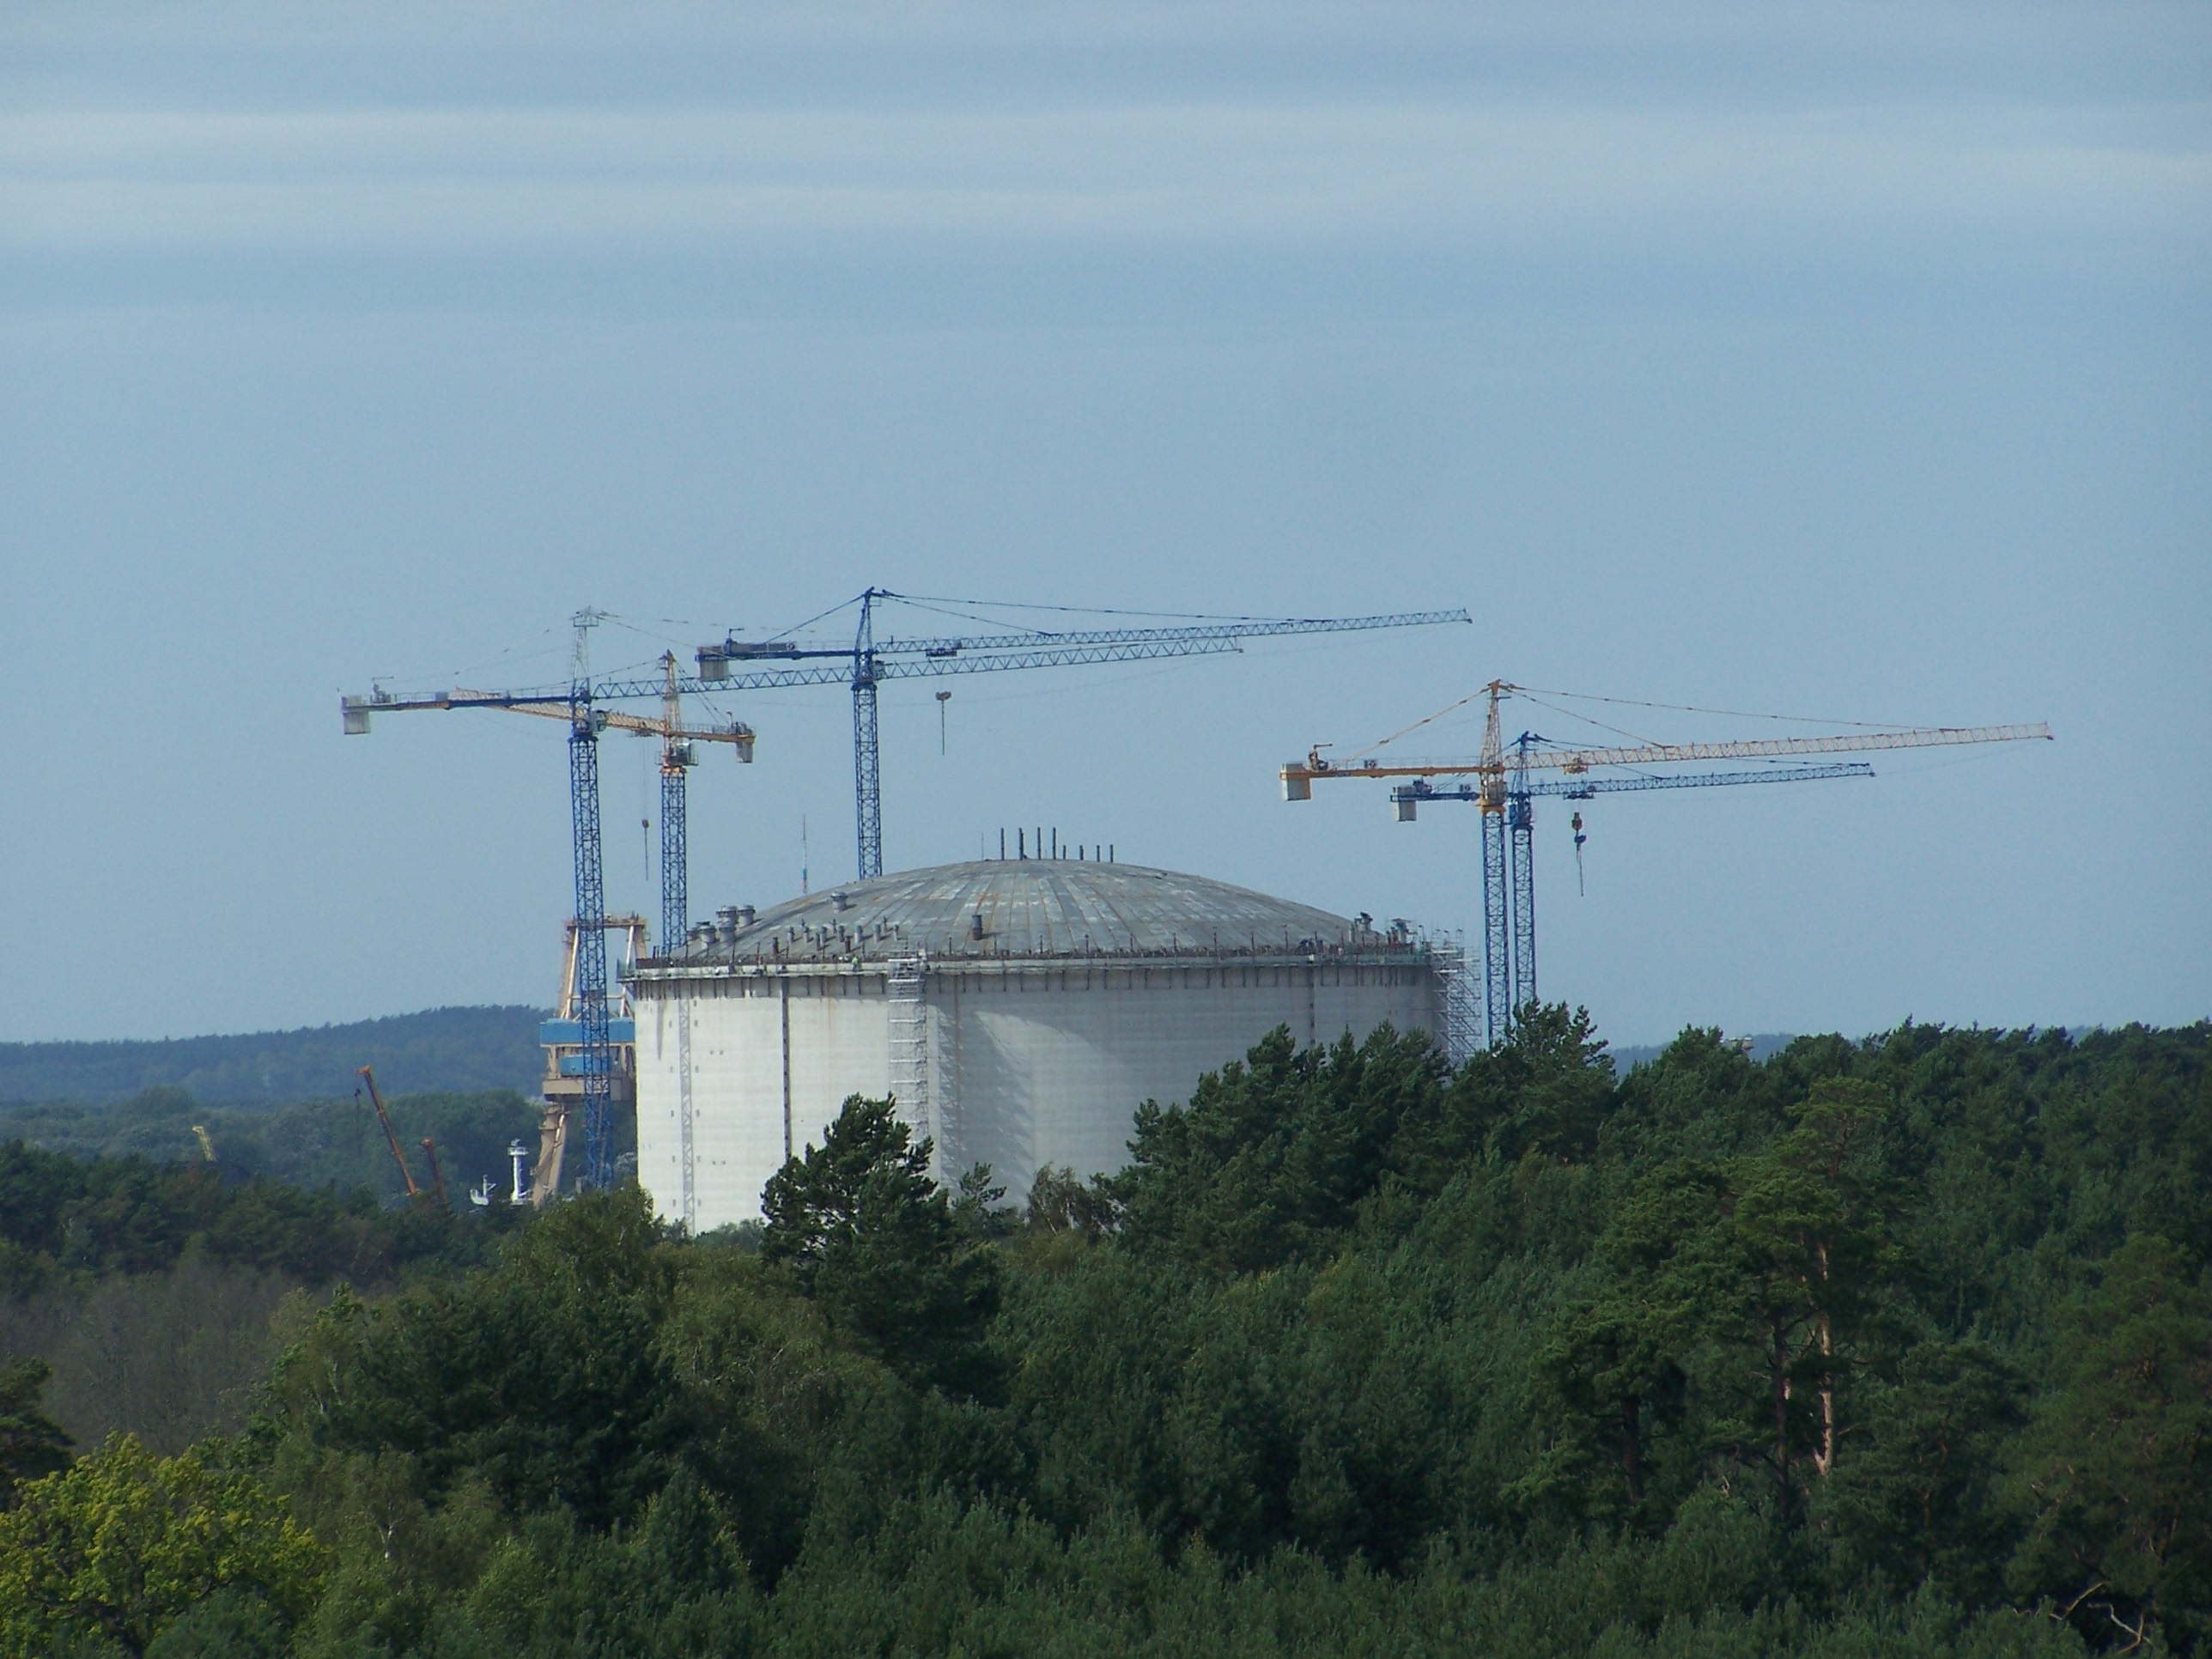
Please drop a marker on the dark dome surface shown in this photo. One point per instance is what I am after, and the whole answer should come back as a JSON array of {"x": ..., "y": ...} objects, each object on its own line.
[{"x": 1033, "y": 908}]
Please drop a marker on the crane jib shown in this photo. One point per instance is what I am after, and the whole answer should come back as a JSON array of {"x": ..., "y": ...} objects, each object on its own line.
[
  {"x": 1421, "y": 793},
  {"x": 1573, "y": 761},
  {"x": 978, "y": 653},
  {"x": 984, "y": 654}
]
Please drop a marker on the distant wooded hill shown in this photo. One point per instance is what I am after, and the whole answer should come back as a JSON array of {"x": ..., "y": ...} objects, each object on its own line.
[{"x": 458, "y": 1051}]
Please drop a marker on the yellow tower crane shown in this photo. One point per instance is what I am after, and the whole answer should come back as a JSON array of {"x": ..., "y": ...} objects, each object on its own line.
[
  {"x": 564, "y": 1057},
  {"x": 1501, "y": 786}
]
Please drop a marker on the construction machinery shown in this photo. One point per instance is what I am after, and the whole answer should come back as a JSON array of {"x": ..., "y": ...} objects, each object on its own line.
[
  {"x": 437, "y": 1175},
  {"x": 568, "y": 1057},
  {"x": 1506, "y": 780},
  {"x": 579, "y": 704},
  {"x": 868, "y": 661},
  {"x": 863, "y": 664},
  {"x": 391, "y": 1138}
]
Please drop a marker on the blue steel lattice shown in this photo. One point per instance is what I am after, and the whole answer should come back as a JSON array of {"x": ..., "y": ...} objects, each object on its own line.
[
  {"x": 1497, "y": 947},
  {"x": 675, "y": 860},
  {"x": 867, "y": 663},
  {"x": 867, "y": 780},
  {"x": 902, "y": 659},
  {"x": 598, "y": 1058},
  {"x": 1521, "y": 858},
  {"x": 1587, "y": 788},
  {"x": 867, "y": 774}
]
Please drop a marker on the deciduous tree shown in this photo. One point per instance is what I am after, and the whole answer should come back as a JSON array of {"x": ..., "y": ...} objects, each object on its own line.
[{"x": 121, "y": 1543}]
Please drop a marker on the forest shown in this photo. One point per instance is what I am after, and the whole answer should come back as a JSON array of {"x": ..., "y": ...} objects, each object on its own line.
[
  {"x": 1900, "y": 1347},
  {"x": 309, "y": 1144}
]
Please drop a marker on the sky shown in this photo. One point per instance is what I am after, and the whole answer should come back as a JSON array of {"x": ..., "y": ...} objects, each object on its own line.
[{"x": 1847, "y": 363}]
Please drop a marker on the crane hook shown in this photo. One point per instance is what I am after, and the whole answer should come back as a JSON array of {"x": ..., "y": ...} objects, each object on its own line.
[{"x": 1576, "y": 824}]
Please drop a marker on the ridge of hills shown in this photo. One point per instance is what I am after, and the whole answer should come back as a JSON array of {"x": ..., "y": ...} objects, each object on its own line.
[{"x": 460, "y": 1050}]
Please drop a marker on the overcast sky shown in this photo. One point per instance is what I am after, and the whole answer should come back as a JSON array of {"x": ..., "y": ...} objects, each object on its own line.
[{"x": 1848, "y": 361}]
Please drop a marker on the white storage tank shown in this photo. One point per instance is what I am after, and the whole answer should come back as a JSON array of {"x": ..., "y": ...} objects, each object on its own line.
[{"x": 1017, "y": 1010}]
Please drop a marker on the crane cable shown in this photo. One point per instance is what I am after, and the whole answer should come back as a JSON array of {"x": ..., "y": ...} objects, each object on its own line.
[
  {"x": 1424, "y": 720},
  {"x": 1617, "y": 731},
  {"x": 1693, "y": 709},
  {"x": 1536, "y": 695}
]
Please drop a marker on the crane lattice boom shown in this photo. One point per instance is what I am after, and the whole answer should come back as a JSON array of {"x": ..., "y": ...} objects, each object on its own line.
[
  {"x": 613, "y": 720},
  {"x": 869, "y": 661},
  {"x": 986, "y": 654},
  {"x": 1659, "y": 754}
]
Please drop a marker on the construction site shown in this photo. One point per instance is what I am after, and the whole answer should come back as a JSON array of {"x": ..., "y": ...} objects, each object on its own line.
[{"x": 1018, "y": 1010}]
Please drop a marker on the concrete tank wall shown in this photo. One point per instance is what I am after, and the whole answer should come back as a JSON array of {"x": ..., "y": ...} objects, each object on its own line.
[
  {"x": 1028, "y": 1063},
  {"x": 771, "y": 1061}
]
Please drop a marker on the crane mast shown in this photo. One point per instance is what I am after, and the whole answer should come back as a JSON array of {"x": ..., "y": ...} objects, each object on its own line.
[
  {"x": 867, "y": 772},
  {"x": 1496, "y": 880},
  {"x": 591, "y": 938},
  {"x": 1500, "y": 786},
  {"x": 675, "y": 758}
]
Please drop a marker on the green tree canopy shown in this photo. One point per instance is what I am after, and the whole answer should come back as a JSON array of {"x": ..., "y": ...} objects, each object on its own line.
[
  {"x": 2116, "y": 1472},
  {"x": 123, "y": 1542},
  {"x": 875, "y": 1241}
]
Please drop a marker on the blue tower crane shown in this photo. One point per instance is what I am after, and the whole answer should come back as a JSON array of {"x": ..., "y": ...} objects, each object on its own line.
[
  {"x": 579, "y": 706},
  {"x": 1504, "y": 791},
  {"x": 869, "y": 661}
]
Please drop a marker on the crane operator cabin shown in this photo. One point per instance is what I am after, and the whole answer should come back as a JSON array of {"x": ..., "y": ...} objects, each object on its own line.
[{"x": 1017, "y": 1010}]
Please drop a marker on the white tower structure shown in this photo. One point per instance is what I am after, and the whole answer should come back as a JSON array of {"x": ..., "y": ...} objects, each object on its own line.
[{"x": 1018, "y": 1010}]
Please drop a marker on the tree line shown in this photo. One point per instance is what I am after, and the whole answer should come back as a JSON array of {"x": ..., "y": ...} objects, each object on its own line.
[{"x": 1902, "y": 1346}]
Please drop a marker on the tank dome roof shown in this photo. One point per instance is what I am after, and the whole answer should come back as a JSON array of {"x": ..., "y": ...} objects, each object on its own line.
[{"x": 1033, "y": 907}]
